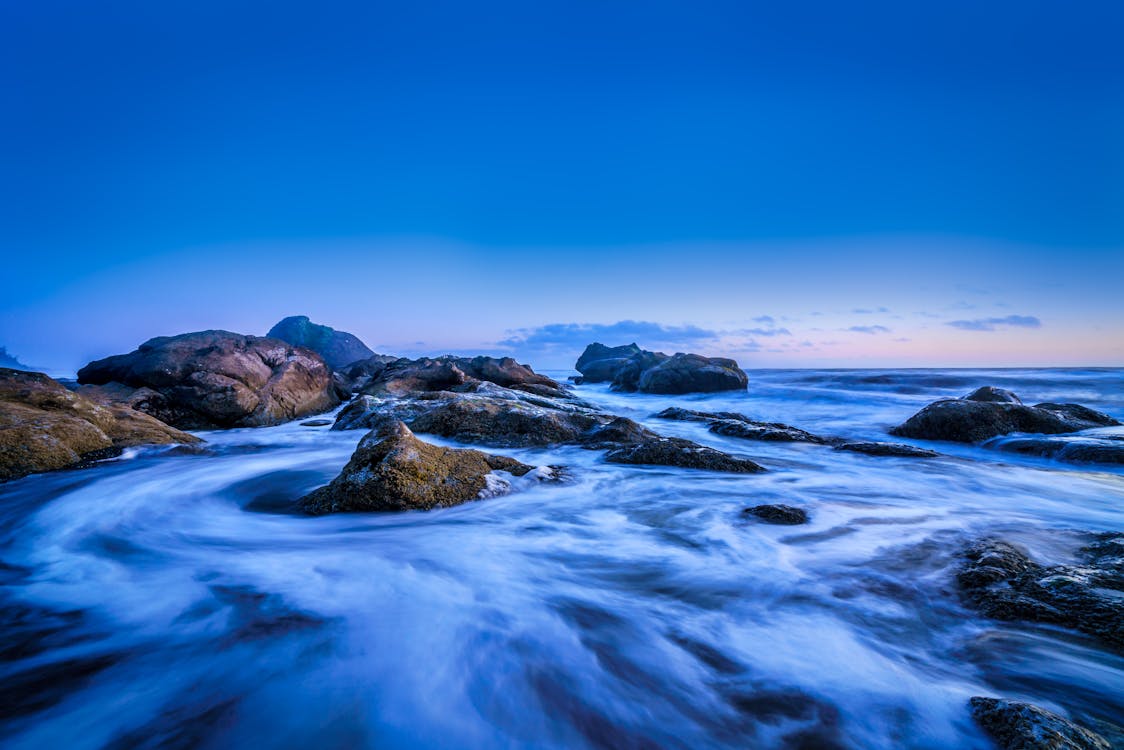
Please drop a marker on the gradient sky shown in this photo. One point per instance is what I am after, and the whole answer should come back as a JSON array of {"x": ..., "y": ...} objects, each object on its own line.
[{"x": 792, "y": 184}]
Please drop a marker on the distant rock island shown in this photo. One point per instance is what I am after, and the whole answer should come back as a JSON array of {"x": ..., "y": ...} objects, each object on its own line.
[
  {"x": 338, "y": 348},
  {"x": 630, "y": 368}
]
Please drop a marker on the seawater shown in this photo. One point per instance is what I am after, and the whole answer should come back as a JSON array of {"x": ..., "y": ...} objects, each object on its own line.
[{"x": 172, "y": 600}]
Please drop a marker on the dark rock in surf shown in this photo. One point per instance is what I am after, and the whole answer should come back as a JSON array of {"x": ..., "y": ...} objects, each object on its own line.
[
  {"x": 1003, "y": 582},
  {"x": 689, "y": 415},
  {"x": 393, "y": 470},
  {"x": 404, "y": 377},
  {"x": 220, "y": 379},
  {"x": 630, "y": 368},
  {"x": 1023, "y": 726},
  {"x": 991, "y": 394},
  {"x": 337, "y": 348},
  {"x": 969, "y": 421},
  {"x": 316, "y": 423},
  {"x": 1091, "y": 449},
  {"x": 44, "y": 426},
  {"x": 783, "y": 515},
  {"x": 683, "y": 454},
  {"x": 732, "y": 424},
  {"x": 887, "y": 449}
]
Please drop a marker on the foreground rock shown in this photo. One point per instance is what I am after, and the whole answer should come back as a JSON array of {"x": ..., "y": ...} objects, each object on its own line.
[
  {"x": 631, "y": 368},
  {"x": 783, "y": 515},
  {"x": 1091, "y": 449},
  {"x": 218, "y": 379},
  {"x": 44, "y": 427},
  {"x": 1023, "y": 726},
  {"x": 971, "y": 420},
  {"x": 392, "y": 470},
  {"x": 732, "y": 424},
  {"x": 887, "y": 449},
  {"x": 683, "y": 454},
  {"x": 337, "y": 348},
  {"x": 1003, "y": 582}
]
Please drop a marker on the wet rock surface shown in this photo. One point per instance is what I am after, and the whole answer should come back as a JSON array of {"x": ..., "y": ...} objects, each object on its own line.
[
  {"x": 630, "y": 368},
  {"x": 393, "y": 470},
  {"x": 337, "y": 348},
  {"x": 1091, "y": 449},
  {"x": 44, "y": 426},
  {"x": 732, "y": 424},
  {"x": 681, "y": 453},
  {"x": 1003, "y": 582},
  {"x": 991, "y": 394},
  {"x": 1015, "y": 725},
  {"x": 887, "y": 449},
  {"x": 783, "y": 515},
  {"x": 218, "y": 379},
  {"x": 971, "y": 420}
]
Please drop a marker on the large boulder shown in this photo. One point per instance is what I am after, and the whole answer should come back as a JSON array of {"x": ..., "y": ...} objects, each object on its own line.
[
  {"x": 337, "y": 348},
  {"x": 692, "y": 373},
  {"x": 1003, "y": 582},
  {"x": 218, "y": 379},
  {"x": 971, "y": 420},
  {"x": 630, "y": 368},
  {"x": 405, "y": 377},
  {"x": 44, "y": 426},
  {"x": 392, "y": 470},
  {"x": 1023, "y": 726}
]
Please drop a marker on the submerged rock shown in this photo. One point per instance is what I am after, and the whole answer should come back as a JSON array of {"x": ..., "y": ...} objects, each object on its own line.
[
  {"x": 683, "y": 454},
  {"x": 784, "y": 515},
  {"x": 44, "y": 426},
  {"x": 732, "y": 424},
  {"x": 630, "y": 368},
  {"x": 220, "y": 379},
  {"x": 1003, "y": 582},
  {"x": 887, "y": 449},
  {"x": 1023, "y": 726},
  {"x": 337, "y": 348},
  {"x": 971, "y": 420},
  {"x": 1091, "y": 449},
  {"x": 393, "y": 470}
]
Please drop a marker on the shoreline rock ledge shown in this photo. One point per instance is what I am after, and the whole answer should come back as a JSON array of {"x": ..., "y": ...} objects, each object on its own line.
[
  {"x": 219, "y": 379},
  {"x": 392, "y": 470},
  {"x": 44, "y": 426},
  {"x": 630, "y": 368}
]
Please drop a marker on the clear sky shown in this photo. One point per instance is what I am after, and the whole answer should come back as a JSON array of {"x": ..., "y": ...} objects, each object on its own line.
[{"x": 793, "y": 184}]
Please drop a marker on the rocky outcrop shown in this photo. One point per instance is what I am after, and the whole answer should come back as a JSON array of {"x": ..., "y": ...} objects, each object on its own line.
[
  {"x": 782, "y": 515},
  {"x": 44, "y": 426},
  {"x": 969, "y": 420},
  {"x": 393, "y": 470},
  {"x": 1023, "y": 726},
  {"x": 886, "y": 449},
  {"x": 1092, "y": 449},
  {"x": 1003, "y": 582},
  {"x": 337, "y": 348},
  {"x": 732, "y": 424},
  {"x": 681, "y": 453},
  {"x": 218, "y": 379},
  {"x": 630, "y": 368},
  {"x": 404, "y": 377},
  {"x": 991, "y": 394}
]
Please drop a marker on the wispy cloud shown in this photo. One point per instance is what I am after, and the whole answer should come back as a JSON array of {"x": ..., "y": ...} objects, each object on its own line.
[
  {"x": 869, "y": 311},
  {"x": 763, "y": 332},
  {"x": 990, "y": 324},
  {"x": 766, "y": 319},
  {"x": 869, "y": 329}
]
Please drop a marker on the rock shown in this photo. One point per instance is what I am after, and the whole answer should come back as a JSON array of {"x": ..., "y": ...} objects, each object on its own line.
[
  {"x": 631, "y": 368},
  {"x": 410, "y": 376},
  {"x": 1092, "y": 449},
  {"x": 1003, "y": 582},
  {"x": 692, "y": 373},
  {"x": 600, "y": 363},
  {"x": 336, "y": 348},
  {"x": 991, "y": 394},
  {"x": 359, "y": 374},
  {"x": 887, "y": 449},
  {"x": 970, "y": 421},
  {"x": 316, "y": 423},
  {"x": 785, "y": 515},
  {"x": 392, "y": 470},
  {"x": 687, "y": 415},
  {"x": 44, "y": 426},
  {"x": 683, "y": 454},
  {"x": 1023, "y": 726},
  {"x": 619, "y": 432},
  {"x": 218, "y": 379},
  {"x": 506, "y": 422},
  {"x": 767, "y": 431}
]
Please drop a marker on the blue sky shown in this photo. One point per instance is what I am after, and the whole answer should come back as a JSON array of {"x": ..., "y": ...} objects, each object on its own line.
[{"x": 882, "y": 183}]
